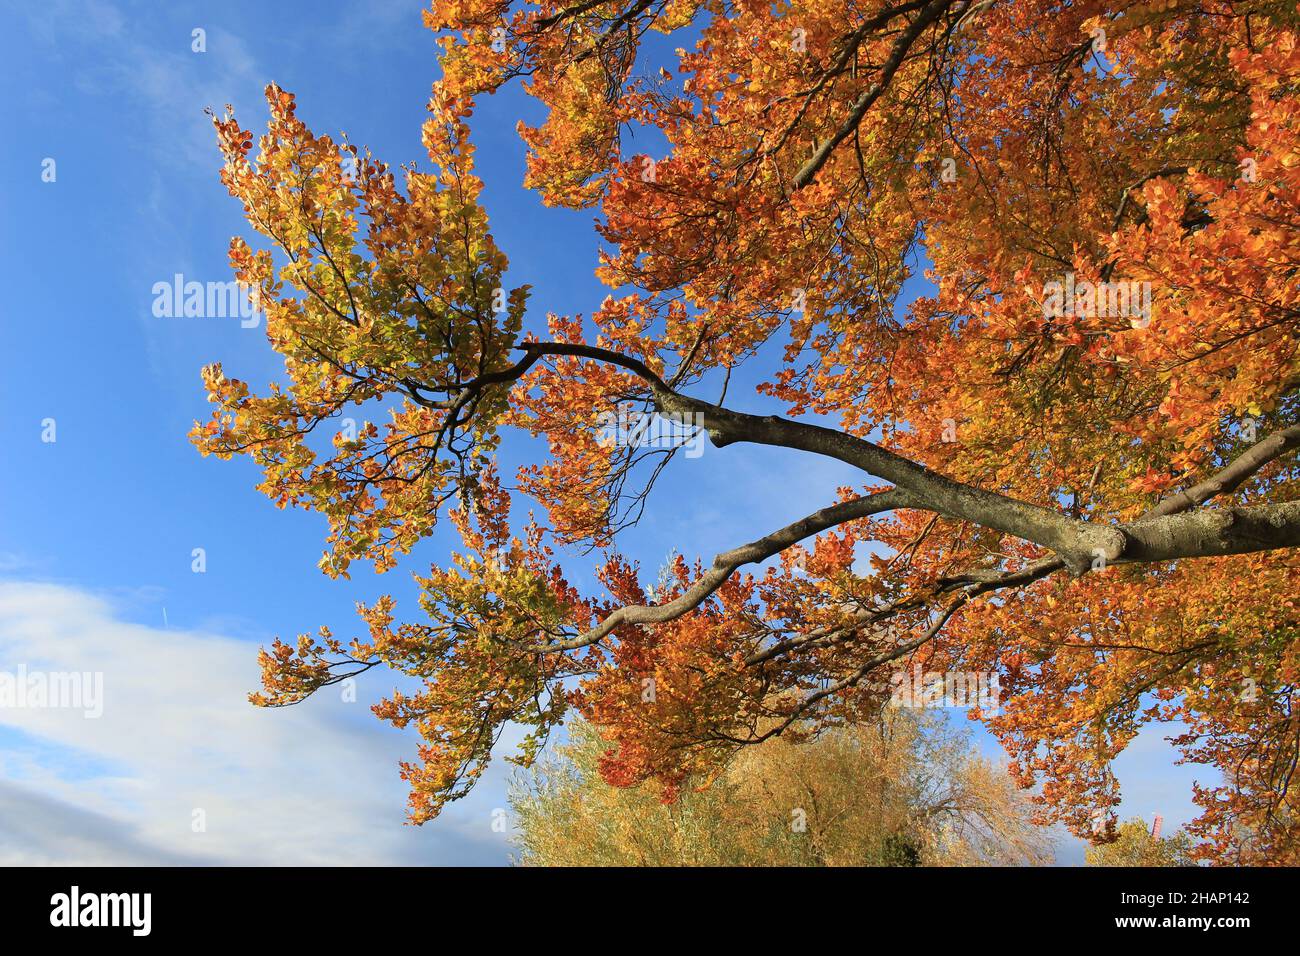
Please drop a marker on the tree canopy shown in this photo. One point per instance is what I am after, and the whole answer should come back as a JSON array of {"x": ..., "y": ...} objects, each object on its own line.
[
  {"x": 1136, "y": 845},
  {"x": 906, "y": 791},
  {"x": 1074, "y": 429}
]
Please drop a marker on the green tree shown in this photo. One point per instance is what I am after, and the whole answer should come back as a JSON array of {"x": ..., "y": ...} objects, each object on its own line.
[{"x": 907, "y": 791}]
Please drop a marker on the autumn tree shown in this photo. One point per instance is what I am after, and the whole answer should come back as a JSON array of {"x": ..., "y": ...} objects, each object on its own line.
[
  {"x": 1075, "y": 437},
  {"x": 1136, "y": 845},
  {"x": 906, "y": 791}
]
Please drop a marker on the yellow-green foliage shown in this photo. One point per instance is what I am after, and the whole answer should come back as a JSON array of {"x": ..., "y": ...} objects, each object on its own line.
[
  {"x": 1137, "y": 847},
  {"x": 906, "y": 791}
]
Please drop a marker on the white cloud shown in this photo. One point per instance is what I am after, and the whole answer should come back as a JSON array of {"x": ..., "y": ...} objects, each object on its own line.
[
  {"x": 152, "y": 75},
  {"x": 314, "y": 784}
]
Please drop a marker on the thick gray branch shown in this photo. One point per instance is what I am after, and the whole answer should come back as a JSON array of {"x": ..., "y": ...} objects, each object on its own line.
[
  {"x": 1077, "y": 542},
  {"x": 1214, "y": 532}
]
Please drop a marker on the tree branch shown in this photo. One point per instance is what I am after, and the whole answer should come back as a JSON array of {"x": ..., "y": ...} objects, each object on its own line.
[
  {"x": 1231, "y": 477},
  {"x": 928, "y": 15},
  {"x": 1165, "y": 533},
  {"x": 726, "y": 563}
]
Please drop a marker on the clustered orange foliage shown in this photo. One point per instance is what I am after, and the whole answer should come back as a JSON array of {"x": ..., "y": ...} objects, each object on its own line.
[{"x": 813, "y": 154}]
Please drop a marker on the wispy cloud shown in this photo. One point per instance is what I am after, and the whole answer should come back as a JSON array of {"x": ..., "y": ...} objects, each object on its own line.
[
  {"x": 314, "y": 784},
  {"x": 149, "y": 74}
]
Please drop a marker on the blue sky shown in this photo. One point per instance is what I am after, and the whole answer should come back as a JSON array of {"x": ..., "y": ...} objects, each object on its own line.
[{"x": 98, "y": 528}]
